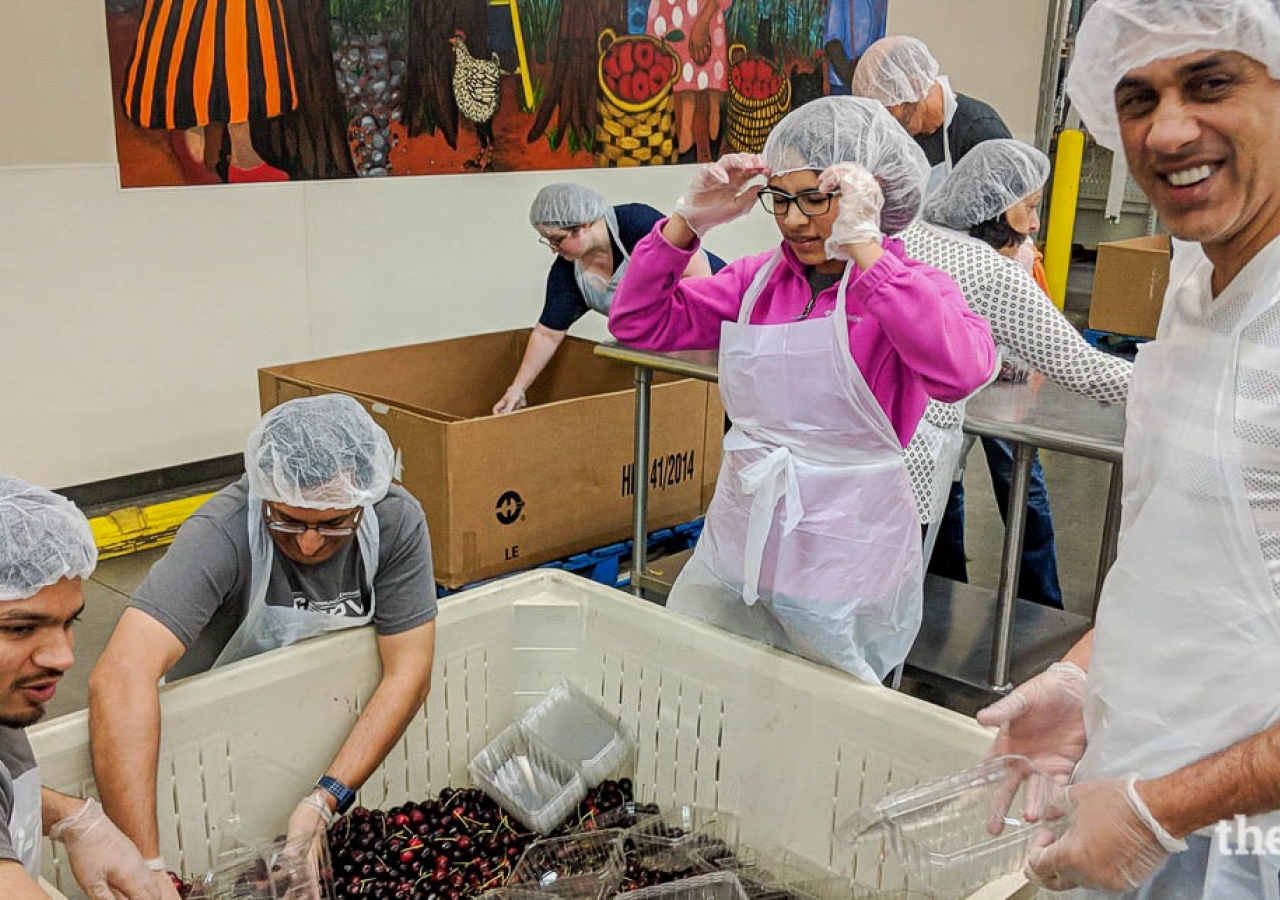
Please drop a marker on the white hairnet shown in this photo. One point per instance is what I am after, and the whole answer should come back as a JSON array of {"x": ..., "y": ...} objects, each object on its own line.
[
  {"x": 43, "y": 539},
  {"x": 320, "y": 453},
  {"x": 895, "y": 70},
  {"x": 1118, "y": 36},
  {"x": 851, "y": 129},
  {"x": 992, "y": 177},
  {"x": 565, "y": 205}
]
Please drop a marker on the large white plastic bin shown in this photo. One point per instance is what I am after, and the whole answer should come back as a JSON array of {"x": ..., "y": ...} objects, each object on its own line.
[{"x": 790, "y": 747}]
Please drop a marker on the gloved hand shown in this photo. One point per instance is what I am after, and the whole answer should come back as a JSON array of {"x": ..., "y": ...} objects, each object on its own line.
[
  {"x": 105, "y": 862},
  {"x": 860, "y": 200},
  {"x": 1043, "y": 720},
  {"x": 512, "y": 400},
  {"x": 719, "y": 192},
  {"x": 308, "y": 827},
  {"x": 1026, "y": 255},
  {"x": 163, "y": 882},
  {"x": 1112, "y": 843},
  {"x": 310, "y": 817}
]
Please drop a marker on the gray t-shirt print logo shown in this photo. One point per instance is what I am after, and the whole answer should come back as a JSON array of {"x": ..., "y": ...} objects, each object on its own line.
[{"x": 347, "y": 603}]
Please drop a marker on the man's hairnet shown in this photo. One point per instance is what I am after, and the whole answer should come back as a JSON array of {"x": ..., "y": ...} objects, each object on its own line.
[
  {"x": 895, "y": 70},
  {"x": 43, "y": 539},
  {"x": 1118, "y": 36},
  {"x": 851, "y": 129},
  {"x": 992, "y": 177},
  {"x": 565, "y": 205},
  {"x": 320, "y": 453}
]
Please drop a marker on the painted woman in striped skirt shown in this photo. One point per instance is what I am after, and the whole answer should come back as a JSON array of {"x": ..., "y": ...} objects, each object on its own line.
[{"x": 198, "y": 63}]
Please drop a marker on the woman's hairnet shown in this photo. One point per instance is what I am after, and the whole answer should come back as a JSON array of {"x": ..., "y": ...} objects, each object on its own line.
[
  {"x": 992, "y": 177},
  {"x": 1118, "y": 36},
  {"x": 851, "y": 129},
  {"x": 43, "y": 539},
  {"x": 320, "y": 453},
  {"x": 565, "y": 205},
  {"x": 895, "y": 70}
]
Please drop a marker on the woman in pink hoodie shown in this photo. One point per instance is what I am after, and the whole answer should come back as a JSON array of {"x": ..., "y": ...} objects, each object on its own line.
[{"x": 830, "y": 346}]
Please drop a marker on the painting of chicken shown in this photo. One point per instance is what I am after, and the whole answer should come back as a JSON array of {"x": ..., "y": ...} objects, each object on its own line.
[{"x": 477, "y": 85}]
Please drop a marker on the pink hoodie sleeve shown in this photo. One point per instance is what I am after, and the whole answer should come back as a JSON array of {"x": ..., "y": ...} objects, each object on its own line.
[
  {"x": 655, "y": 309},
  {"x": 924, "y": 315}
]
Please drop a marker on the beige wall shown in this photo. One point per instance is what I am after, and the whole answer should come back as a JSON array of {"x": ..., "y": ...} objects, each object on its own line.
[
  {"x": 991, "y": 49},
  {"x": 132, "y": 321}
]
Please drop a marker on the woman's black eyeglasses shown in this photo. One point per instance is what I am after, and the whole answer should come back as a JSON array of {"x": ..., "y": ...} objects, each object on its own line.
[{"x": 811, "y": 203}]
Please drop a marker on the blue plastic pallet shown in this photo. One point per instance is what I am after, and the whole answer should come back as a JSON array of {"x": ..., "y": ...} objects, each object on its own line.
[
  {"x": 603, "y": 564},
  {"x": 1125, "y": 345}
]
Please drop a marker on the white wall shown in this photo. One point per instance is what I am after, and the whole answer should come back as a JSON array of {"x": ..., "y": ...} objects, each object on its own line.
[{"x": 132, "y": 322}]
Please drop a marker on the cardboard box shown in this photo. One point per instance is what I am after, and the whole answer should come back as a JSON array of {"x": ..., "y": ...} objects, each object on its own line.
[
  {"x": 504, "y": 493},
  {"x": 1129, "y": 286}
]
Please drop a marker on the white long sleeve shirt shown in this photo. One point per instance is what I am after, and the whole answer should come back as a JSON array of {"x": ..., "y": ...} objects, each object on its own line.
[{"x": 1023, "y": 319}]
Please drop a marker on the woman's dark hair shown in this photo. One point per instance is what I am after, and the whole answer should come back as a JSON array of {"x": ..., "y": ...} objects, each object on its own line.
[{"x": 997, "y": 232}]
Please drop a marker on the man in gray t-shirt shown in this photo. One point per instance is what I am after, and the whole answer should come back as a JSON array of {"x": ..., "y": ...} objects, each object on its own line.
[
  {"x": 314, "y": 539},
  {"x": 46, "y": 552}
]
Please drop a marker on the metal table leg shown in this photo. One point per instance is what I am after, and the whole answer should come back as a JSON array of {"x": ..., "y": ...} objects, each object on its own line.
[
  {"x": 640, "y": 482},
  {"x": 1110, "y": 531},
  {"x": 1010, "y": 564}
]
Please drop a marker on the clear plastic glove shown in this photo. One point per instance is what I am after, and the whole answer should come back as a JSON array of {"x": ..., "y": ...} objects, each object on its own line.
[
  {"x": 1026, "y": 255},
  {"x": 860, "y": 201},
  {"x": 512, "y": 400},
  {"x": 164, "y": 886},
  {"x": 719, "y": 192},
  {"x": 310, "y": 816},
  {"x": 1113, "y": 842},
  {"x": 1043, "y": 720},
  {"x": 105, "y": 862}
]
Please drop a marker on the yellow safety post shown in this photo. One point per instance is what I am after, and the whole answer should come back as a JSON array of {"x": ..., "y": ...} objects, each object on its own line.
[
  {"x": 1062, "y": 213},
  {"x": 134, "y": 528}
]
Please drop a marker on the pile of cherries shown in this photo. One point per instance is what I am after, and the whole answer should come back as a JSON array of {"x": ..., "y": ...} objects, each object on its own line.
[{"x": 462, "y": 844}]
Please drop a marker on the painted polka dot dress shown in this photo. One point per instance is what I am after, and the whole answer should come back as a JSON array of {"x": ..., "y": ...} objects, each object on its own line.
[{"x": 672, "y": 20}]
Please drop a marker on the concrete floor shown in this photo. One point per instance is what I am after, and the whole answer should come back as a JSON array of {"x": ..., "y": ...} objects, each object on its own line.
[{"x": 1077, "y": 489}]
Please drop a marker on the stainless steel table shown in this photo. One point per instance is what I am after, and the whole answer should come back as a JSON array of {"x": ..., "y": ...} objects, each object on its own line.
[
  {"x": 998, "y": 629},
  {"x": 1041, "y": 414},
  {"x": 692, "y": 364}
]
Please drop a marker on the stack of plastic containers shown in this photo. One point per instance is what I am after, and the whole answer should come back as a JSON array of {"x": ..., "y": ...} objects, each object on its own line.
[
  {"x": 956, "y": 834},
  {"x": 540, "y": 768}
]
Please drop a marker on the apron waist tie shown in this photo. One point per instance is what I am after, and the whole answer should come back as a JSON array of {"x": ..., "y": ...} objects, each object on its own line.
[{"x": 767, "y": 481}]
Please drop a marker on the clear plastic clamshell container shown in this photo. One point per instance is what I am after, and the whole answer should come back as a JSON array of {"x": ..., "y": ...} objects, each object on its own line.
[
  {"x": 527, "y": 779},
  {"x": 956, "y": 834},
  {"x": 577, "y": 728},
  {"x": 269, "y": 871},
  {"x": 683, "y": 839},
  {"x": 775, "y": 873},
  {"x": 588, "y": 865},
  {"x": 712, "y": 886}
]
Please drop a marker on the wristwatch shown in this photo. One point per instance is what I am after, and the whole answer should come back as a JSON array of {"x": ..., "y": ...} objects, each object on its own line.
[{"x": 343, "y": 794}]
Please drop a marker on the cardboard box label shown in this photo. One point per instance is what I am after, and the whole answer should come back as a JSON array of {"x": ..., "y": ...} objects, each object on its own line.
[{"x": 664, "y": 471}]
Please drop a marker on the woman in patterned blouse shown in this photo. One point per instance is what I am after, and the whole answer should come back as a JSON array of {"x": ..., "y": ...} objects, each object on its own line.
[{"x": 972, "y": 228}]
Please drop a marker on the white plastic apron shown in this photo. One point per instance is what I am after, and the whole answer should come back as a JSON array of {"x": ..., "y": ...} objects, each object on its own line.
[
  {"x": 1186, "y": 654},
  {"x": 597, "y": 293},
  {"x": 267, "y": 627},
  {"x": 812, "y": 540},
  {"x": 939, "y": 173},
  {"x": 26, "y": 820}
]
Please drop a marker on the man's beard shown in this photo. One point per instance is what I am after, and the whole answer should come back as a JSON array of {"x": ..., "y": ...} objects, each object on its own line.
[{"x": 23, "y": 721}]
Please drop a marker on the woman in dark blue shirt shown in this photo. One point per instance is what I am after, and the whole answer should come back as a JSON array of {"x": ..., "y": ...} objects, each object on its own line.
[{"x": 592, "y": 242}]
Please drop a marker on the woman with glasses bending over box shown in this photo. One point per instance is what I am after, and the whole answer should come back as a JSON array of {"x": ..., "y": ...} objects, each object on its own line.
[
  {"x": 830, "y": 346},
  {"x": 592, "y": 242}
]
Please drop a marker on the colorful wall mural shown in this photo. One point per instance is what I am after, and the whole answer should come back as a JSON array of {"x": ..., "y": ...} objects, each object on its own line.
[{"x": 230, "y": 91}]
